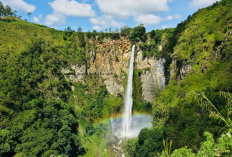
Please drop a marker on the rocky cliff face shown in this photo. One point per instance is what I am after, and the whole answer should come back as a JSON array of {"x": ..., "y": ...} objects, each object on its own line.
[
  {"x": 186, "y": 66},
  {"x": 110, "y": 60}
]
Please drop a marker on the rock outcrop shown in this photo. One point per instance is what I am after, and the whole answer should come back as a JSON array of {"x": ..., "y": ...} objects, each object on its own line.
[{"x": 110, "y": 60}]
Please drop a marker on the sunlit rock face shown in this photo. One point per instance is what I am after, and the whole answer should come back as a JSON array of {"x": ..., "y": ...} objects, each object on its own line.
[
  {"x": 153, "y": 79},
  {"x": 110, "y": 60}
]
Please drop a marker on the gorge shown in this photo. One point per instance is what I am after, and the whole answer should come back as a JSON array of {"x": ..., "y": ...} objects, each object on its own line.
[{"x": 72, "y": 93}]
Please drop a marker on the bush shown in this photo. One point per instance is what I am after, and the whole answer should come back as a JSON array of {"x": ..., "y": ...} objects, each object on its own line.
[{"x": 150, "y": 142}]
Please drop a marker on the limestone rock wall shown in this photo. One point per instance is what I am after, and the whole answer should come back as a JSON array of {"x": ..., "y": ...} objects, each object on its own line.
[
  {"x": 153, "y": 79},
  {"x": 110, "y": 60}
]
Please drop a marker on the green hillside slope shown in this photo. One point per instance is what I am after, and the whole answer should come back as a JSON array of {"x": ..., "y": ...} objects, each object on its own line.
[
  {"x": 37, "y": 118},
  {"x": 206, "y": 38}
]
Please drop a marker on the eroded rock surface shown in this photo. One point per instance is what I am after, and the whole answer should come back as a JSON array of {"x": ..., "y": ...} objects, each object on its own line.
[
  {"x": 111, "y": 61},
  {"x": 153, "y": 79}
]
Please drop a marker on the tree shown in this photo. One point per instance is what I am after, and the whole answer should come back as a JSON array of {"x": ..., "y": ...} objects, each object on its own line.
[
  {"x": 138, "y": 34},
  {"x": 79, "y": 30},
  {"x": 89, "y": 34},
  {"x": 81, "y": 37},
  {"x": 125, "y": 31},
  {"x": 19, "y": 16},
  {"x": 15, "y": 11},
  {"x": 153, "y": 33},
  {"x": 1, "y": 9},
  {"x": 94, "y": 33},
  {"x": 106, "y": 29},
  {"x": 109, "y": 30},
  {"x": 7, "y": 10},
  {"x": 68, "y": 29},
  {"x": 11, "y": 14},
  {"x": 29, "y": 15}
]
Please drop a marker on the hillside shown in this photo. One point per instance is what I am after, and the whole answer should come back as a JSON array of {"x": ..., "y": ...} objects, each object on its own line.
[
  {"x": 201, "y": 61},
  {"x": 64, "y": 81},
  {"x": 59, "y": 89}
]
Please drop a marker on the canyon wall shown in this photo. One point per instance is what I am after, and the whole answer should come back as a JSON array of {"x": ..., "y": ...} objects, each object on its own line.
[{"x": 110, "y": 60}]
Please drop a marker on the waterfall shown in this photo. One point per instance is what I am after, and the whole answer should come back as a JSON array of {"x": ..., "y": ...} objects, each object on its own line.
[
  {"x": 128, "y": 100},
  {"x": 127, "y": 126}
]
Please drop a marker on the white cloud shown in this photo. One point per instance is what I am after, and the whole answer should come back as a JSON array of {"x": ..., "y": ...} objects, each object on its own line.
[
  {"x": 169, "y": 18},
  {"x": 201, "y": 3},
  {"x": 150, "y": 19},
  {"x": 54, "y": 18},
  {"x": 106, "y": 21},
  {"x": 72, "y": 8},
  {"x": 97, "y": 28},
  {"x": 167, "y": 26},
  {"x": 36, "y": 20},
  {"x": 19, "y": 5},
  {"x": 117, "y": 24},
  {"x": 177, "y": 16},
  {"x": 127, "y": 8},
  {"x": 40, "y": 16}
]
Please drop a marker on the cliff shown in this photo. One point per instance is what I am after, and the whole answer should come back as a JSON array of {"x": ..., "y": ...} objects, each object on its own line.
[{"x": 110, "y": 60}]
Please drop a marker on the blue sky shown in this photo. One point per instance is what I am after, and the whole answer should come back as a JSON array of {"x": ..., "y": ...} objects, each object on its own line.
[{"x": 102, "y": 14}]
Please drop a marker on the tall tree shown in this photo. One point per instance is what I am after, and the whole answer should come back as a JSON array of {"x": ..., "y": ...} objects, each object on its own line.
[
  {"x": 29, "y": 15},
  {"x": 7, "y": 11},
  {"x": 69, "y": 29},
  {"x": 15, "y": 11},
  {"x": 79, "y": 30},
  {"x": 1, "y": 9}
]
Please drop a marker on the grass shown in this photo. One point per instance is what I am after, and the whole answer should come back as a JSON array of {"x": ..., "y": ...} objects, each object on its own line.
[{"x": 17, "y": 34}]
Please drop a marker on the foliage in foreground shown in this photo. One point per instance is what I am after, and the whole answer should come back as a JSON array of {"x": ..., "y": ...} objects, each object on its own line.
[{"x": 149, "y": 143}]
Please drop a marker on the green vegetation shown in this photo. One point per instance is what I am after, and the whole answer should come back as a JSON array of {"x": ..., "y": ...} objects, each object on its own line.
[
  {"x": 32, "y": 105},
  {"x": 137, "y": 34},
  {"x": 176, "y": 111},
  {"x": 42, "y": 113},
  {"x": 138, "y": 102},
  {"x": 175, "y": 108},
  {"x": 149, "y": 143}
]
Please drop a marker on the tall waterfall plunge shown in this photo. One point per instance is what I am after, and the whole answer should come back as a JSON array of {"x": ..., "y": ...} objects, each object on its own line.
[
  {"x": 128, "y": 101},
  {"x": 128, "y": 126}
]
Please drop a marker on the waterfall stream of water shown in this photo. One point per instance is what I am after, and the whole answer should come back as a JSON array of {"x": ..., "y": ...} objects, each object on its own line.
[
  {"x": 128, "y": 101},
  {"x": 127, "y": 126}
]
